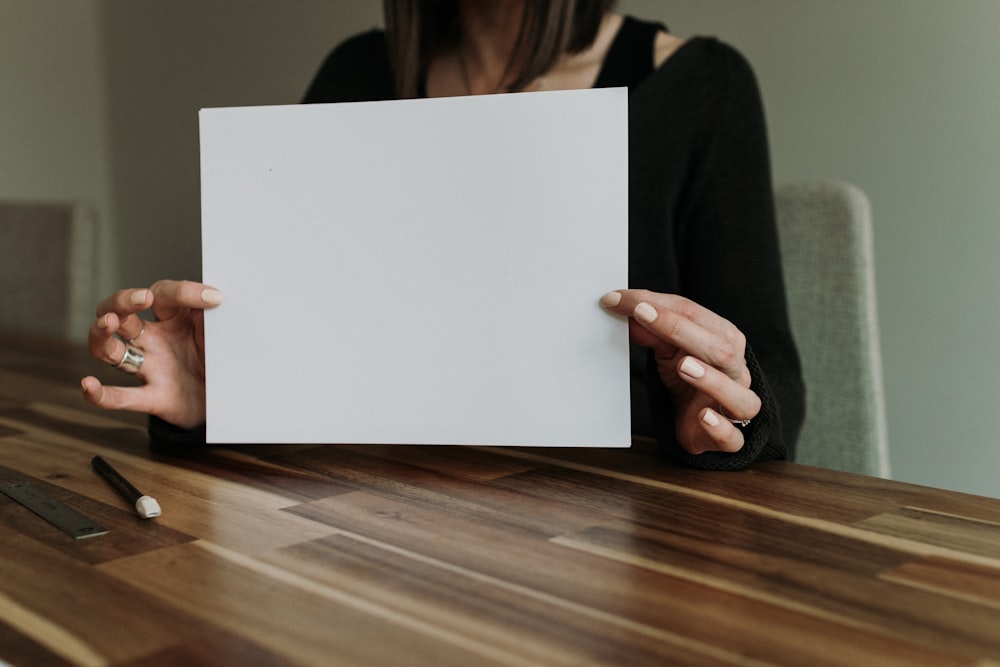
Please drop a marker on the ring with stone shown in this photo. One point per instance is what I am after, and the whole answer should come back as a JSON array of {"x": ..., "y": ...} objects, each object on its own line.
[{"x": 742, "y": 423}]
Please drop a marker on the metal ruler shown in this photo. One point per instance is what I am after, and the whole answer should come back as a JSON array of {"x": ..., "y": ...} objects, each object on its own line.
[{"x": 56, "y": 512}]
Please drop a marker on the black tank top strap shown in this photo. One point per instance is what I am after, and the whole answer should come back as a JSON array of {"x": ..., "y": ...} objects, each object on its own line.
[{"x": 630, "y": 59}]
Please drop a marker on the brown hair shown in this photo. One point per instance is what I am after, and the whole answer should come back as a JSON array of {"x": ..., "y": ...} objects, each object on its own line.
[{"x": 417, "y": 29}]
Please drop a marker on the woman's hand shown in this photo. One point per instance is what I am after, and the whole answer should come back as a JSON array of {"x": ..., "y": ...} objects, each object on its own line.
[
  {"x": 172, "y": 347},
  {"x": 701, "y": 360}
]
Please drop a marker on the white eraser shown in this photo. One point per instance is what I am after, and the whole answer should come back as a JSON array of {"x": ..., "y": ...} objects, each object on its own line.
[{"x": 147, "y": 507}]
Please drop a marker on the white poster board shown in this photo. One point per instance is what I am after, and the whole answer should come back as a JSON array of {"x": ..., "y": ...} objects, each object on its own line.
[{"x": 418, "y": 271}]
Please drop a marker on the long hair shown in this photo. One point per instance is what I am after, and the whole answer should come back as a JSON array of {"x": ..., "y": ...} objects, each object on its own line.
[{"x": 418, "y": 29}]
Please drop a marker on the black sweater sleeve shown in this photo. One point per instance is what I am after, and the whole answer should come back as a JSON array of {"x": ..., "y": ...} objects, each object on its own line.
[
  {"x": 165, "y": 433},
  {"x": 725, "y": 239}
]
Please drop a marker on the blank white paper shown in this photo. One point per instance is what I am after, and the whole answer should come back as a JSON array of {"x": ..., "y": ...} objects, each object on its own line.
[{"x": 418, "y": 271}]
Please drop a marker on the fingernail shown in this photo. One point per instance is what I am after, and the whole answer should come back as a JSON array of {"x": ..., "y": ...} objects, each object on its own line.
[
  {"x": 692, "y": 368},
  {"x": 611, "y": 299},
  {"x": 645, "y": 313},
  {"x": 710, "y": 418},
  {"x": 212, "y": 297},
  {"x": 102, "y": 322},
  {"x": 138, "y": 297}
]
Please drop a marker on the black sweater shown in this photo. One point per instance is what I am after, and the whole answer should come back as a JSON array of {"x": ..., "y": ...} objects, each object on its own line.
[{"x": 701, "y": 214}]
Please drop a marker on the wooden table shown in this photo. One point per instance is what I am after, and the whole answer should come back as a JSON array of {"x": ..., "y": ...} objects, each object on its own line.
[{"x": 351, "y": 555}]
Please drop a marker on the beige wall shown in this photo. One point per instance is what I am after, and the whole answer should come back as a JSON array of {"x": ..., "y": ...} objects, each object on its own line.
[
  {"x": 169, "y": 58},
  {"x": 900, "y": 98},
  {"x": 53, "y": 109}
]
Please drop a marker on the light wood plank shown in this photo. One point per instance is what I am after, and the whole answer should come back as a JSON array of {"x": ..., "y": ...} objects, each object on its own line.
[
  {"x": 978, "y": 585},
  {"x": 317, "y": 624}
]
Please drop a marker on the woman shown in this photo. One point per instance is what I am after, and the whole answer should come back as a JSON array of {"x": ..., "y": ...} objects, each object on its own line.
[{"x": 716, "y": 377}]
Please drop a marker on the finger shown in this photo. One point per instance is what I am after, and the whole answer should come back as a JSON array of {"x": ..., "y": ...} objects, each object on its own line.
[
  {"x": 638, "y": 333},
  {"x": 108, "y": 347},
  {"x": 723, "y": 352},
  {"x": 625, "y": 301},
  {"x": 126, "y": 304},
  {"x": 674, "y": 322},
  {"x": 115, "y": 353},
  {"x": 170, "y": 296},
  {"x": 739, "y": 402},
  {"x": 103, "y": 343},
  {"x": 109, "y": 397},
  {"x": 723, "y": 436}
]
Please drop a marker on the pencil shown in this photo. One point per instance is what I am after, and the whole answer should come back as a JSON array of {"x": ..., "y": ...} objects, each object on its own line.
[{"x": 145, "y": 506}]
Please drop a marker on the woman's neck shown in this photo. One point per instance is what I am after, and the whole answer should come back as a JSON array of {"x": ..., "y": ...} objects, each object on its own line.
[
  {"x": 490, "y": 30},
  {"x": 482, "y": 61}
]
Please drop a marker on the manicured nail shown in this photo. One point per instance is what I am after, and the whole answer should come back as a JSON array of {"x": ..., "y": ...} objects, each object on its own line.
[
  {"x": 138, "y": 297},
  {"x": 710, "y": 418},
  {"x": 611, "y": 299},
  {"x": 645, "y": 313},
  {"x": 102, "y": 322},
  {"x": 212, "y": 297},
  {"x": 692, "y": 368}
]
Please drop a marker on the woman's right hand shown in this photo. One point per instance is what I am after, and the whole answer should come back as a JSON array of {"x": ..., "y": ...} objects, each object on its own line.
[{"x": 172, "y": 371}]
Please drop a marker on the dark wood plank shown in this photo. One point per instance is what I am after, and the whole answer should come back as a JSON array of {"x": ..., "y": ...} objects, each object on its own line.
[{"x": 19, "y": 649}]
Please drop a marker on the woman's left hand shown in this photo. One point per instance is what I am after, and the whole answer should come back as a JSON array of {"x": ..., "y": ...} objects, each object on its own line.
[{"x": 701, "y": 360}]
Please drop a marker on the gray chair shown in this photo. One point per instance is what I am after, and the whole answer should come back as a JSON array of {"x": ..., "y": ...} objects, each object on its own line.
[
  {"x": 48, "y": 268},
  {"x": 827, "y": 253}
]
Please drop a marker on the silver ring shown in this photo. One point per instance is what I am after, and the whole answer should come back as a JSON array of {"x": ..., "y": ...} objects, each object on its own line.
[
  {"x": 742, "y": 423},
  {"x": 131, "y": 361},
  {"x": 131, "y": 341}
]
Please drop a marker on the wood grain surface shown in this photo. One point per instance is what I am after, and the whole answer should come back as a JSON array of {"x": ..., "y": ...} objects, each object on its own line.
[{"x": 395, "y": 555}]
